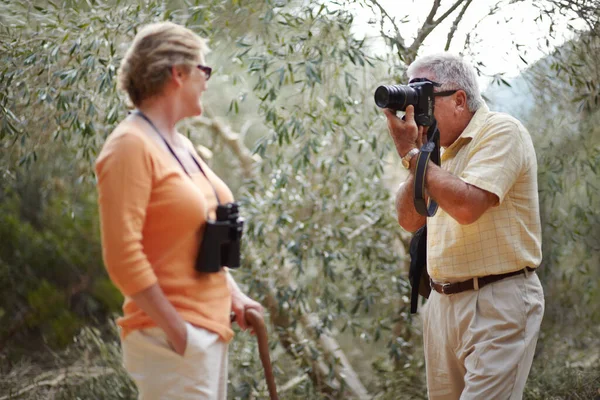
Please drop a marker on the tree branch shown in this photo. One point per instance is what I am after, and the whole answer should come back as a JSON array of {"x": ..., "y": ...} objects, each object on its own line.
[
  {"x": 422, "y": 33},
  {"x": 362, "y": 228},
  {"x": 455, "y": 24},
  {"x": 344, "y": 370},
  {"x": 331, "y": 349},
  {"x": 233, "y": 140},
  {"x": 428, "y": 26},
  {"x": 289, "y": 337},
  {"x": 434, "y": 8},
  {"x": 296, "y": 340},
  {"x": 61, "y": 375},
  {"x": 492, "y": 11},
  {"x": 291, "y": 340},
  {"x": 398, "y": 39},
  {"x": 292, "y": 383},
  {"x": 585, "y": 10},
  {"x": 447, "y": 13}
]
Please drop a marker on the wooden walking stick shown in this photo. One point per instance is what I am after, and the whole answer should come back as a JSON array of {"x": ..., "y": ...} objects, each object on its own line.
[{"x": 255, "y": 319}]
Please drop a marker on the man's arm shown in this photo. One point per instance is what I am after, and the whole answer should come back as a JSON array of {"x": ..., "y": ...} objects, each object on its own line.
[
  {"x": 409, "y": 136},
  {"x": 495, "y": 163},
  {"x": 408, "y": 217},
  {"x": 462, "y": 201}
]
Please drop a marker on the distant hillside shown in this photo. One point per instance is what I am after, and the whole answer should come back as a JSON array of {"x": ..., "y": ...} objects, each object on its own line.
[
  {"x": 521, "y": 98},
  {"x": 516, "y": 99}
]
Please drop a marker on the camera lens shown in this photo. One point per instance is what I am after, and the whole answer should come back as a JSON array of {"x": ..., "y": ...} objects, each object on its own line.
[{"x": 396, "y": 97}]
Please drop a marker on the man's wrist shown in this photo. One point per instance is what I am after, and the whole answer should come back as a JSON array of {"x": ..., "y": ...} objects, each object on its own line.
[
  {"x": 402, "y": 152},
  {"x": 408, "y": 157},
  {"x": 413, "y": 164}
]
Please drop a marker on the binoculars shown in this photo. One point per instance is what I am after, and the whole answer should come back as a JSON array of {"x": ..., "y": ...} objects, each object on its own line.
[{"x": 220, "y": 245}]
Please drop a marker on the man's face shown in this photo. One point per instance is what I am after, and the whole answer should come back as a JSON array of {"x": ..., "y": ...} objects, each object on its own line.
[{"x": 444, "y": 106}]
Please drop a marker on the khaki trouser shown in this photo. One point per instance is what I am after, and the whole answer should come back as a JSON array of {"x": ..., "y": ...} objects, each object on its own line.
[
  {"x": 479, "y": 344},
  {"x": 160, "y": 373}
]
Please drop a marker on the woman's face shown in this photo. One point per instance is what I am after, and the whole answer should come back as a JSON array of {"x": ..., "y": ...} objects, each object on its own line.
[{"x": 194, "y": 84}]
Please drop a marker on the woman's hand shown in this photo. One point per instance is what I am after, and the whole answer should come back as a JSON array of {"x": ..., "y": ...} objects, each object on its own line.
[
  {"x": 178, "y": 338},
  {"x": 154, "y": 303},
  {"x": 239, "y": 304}
]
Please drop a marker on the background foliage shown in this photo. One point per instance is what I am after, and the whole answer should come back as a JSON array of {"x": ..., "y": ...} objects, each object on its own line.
[{"x": 323, "y": 250}]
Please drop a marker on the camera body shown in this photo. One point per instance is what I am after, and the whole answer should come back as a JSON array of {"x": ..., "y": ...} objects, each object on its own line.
[
  {"x": 220, "y": 245},
  {"x": 398, "y": 97}
]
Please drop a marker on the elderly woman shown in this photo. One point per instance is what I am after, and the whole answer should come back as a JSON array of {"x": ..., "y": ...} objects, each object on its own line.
[{"x": 155, "y": 197}]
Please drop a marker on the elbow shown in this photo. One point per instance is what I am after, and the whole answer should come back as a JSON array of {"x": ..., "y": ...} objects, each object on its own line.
[
  {"x": 409, "y": 225},
  {"x": 467, "y": 216},
  {"x": 114, "y": 274},
  {"x": 130, "y": 273}
]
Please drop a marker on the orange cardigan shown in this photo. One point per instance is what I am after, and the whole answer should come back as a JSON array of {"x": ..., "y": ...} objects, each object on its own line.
[{"x": 152, "y": 216}]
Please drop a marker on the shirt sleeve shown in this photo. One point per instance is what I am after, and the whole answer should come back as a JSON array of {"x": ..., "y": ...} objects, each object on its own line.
[
  {"x": 496, "y": 159},
  {"x": 124, "y": 174}
]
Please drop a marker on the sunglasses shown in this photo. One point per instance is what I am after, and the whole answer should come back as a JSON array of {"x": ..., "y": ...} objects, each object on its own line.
[
  {"x": 207, "y": 70},
  {"x": 435, "y": 84}
]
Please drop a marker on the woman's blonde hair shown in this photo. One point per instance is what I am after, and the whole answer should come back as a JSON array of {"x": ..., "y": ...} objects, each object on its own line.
[{"x": 148, "y": 61}]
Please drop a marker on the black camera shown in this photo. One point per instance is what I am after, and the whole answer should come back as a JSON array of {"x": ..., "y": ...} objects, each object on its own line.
[
  {"x": 220, "y": 245},
  {"x": 418, "y": 94}
]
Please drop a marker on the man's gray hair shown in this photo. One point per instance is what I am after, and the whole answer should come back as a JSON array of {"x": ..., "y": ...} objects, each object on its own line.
[{"x": 453, "y": 72}]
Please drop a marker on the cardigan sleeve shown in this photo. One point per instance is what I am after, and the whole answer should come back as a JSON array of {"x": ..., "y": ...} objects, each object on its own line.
[{"x": 124, "y": 172}]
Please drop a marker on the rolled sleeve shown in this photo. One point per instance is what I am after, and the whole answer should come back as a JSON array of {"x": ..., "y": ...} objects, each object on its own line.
[
  {"x": 496, "y": 160},
  {"x": 124, "y": 174}
]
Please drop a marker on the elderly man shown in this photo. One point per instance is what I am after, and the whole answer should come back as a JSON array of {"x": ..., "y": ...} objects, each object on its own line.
[{"x": 484, "y": 314}]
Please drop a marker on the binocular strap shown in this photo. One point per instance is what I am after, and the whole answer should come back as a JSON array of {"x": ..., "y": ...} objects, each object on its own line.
[{"x": 144, "y": 117}]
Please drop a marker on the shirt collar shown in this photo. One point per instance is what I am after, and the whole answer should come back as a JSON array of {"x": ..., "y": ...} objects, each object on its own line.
[{"x": 472, "y": 128}]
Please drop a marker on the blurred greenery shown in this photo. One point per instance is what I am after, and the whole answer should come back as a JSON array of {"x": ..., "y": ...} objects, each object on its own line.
[{"x": 323, "y": 250}]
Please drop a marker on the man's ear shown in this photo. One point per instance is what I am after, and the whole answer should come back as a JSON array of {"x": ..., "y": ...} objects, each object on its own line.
[{"x": 461, "y": 100}]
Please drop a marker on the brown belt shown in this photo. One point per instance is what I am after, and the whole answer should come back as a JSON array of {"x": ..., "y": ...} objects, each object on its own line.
[{"x": 457, "y": 287}]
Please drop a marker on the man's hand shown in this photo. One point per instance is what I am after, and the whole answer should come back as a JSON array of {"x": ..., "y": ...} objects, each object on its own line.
[
  {"x": 405, "y": 133},
  {"x": 239, "y": 304}
]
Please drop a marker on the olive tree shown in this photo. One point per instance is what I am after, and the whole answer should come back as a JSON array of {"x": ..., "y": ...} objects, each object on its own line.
[{"x": 291, "y": 126}]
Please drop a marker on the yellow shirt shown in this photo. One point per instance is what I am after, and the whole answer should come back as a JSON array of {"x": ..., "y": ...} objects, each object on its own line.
[
  {"x": 152, "y": 217},
  {"x": 495, "y": 153}
]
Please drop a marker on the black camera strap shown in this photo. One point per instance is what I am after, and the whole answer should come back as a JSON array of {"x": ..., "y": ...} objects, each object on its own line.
[
  {"x": 429, "y": 151},
  {"x": 141, "y": 114}
]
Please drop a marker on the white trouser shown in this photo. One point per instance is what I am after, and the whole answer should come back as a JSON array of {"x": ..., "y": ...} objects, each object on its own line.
[
  {"x": 479, "y": 344},
  {"x": 160, "y": 373}
]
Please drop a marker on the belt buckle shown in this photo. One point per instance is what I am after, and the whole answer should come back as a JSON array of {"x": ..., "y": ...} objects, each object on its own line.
[{"x": 445, "y": 286}]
